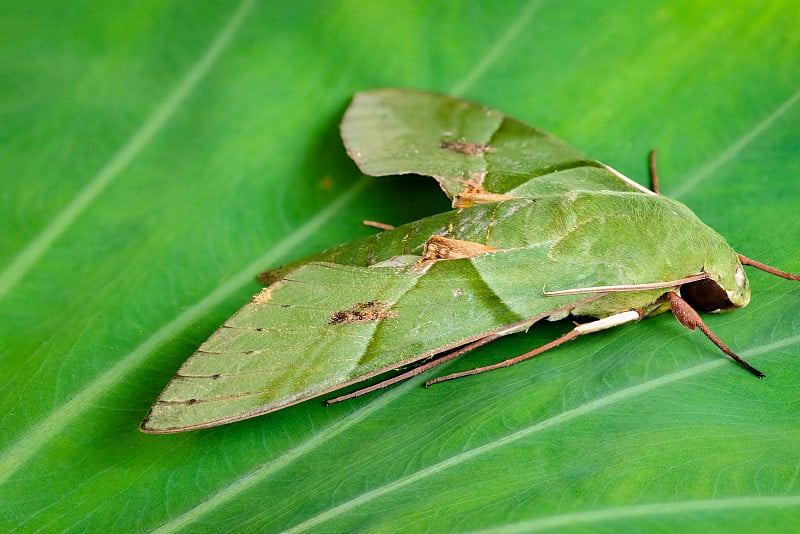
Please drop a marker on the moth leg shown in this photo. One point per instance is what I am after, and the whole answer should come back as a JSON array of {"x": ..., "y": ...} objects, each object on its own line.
[
  {"x": 416, "y": 370},
  {"x": 586, "y": 328},
  {"x": 378, "y": 225},
  {"x": 654, "y": 173},
  {"x": 496, "y": 334},
  {"x": 688, "y": 317}
]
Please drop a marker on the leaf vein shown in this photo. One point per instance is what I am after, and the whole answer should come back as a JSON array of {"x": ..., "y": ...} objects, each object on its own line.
[
  {"x": 508, "y": 36},
  {"x": 564, "y": 417},
  {"x": 25, "y": 260},
  {"x": 18, "y": 454},
  {"x": 651, "y": 509},
  {"x": 735, "y": 148}
]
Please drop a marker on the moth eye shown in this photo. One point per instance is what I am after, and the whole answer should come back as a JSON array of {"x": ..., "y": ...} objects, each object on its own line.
[
  {"x": 739, "y": 276},
  {"x": 706, "y": 296}
]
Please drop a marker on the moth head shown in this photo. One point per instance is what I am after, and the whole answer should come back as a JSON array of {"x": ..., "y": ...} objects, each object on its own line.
[{"x": 726, "y": 288}]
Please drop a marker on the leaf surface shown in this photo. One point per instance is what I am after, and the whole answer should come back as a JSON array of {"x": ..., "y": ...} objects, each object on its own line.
[{"x": 157, "y": 156}]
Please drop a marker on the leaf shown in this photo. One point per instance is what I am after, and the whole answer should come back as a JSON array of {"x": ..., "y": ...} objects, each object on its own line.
[{"x": 179, "y": 188}]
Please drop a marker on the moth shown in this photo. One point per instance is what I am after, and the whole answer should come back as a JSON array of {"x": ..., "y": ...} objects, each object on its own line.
[{"x": 534, "y": 235}]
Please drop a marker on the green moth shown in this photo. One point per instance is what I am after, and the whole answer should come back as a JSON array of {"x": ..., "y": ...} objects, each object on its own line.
[{"x": 534, "y": 234}]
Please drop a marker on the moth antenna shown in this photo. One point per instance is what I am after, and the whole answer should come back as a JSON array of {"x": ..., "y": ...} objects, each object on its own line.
[
  {"x": 627, "y": 180},
  {"x": 654, "y": 173},
  {"x": 627, "y": 287},
  {"x": 688, "y": 317},
  {"x": 766, "y": 268}
]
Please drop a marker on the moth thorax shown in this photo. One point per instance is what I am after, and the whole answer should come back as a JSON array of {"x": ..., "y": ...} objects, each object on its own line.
[{"x": 706, "y": 296}]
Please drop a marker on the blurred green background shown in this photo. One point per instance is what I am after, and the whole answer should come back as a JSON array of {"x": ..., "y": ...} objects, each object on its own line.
[{"x": 155, "y": 156}]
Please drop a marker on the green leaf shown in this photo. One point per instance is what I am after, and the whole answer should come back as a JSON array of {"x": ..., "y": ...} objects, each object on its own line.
[{"x": 156, "y": 157}]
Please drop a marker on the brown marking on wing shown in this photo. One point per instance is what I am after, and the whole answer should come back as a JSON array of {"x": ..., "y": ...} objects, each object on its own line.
[
  {"x": 445, "y": 248},
  {"x": 464, "y": 147},
  {"x": 363, "y": 312},
  {"x": 474, "y": 193},
  {"x": 263, "y": 296}
]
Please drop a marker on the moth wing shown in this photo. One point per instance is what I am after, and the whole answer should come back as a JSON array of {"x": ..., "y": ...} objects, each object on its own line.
[
  {"x": 322, "y": 327},
  {"x": 477, "y": 154}
]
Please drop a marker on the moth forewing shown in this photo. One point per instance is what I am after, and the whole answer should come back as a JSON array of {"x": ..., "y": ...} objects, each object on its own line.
[{"x": 325, "y": 326}]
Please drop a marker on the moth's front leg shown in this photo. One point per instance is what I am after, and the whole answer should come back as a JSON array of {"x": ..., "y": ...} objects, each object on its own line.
[{"x": 585, "y": 328}]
